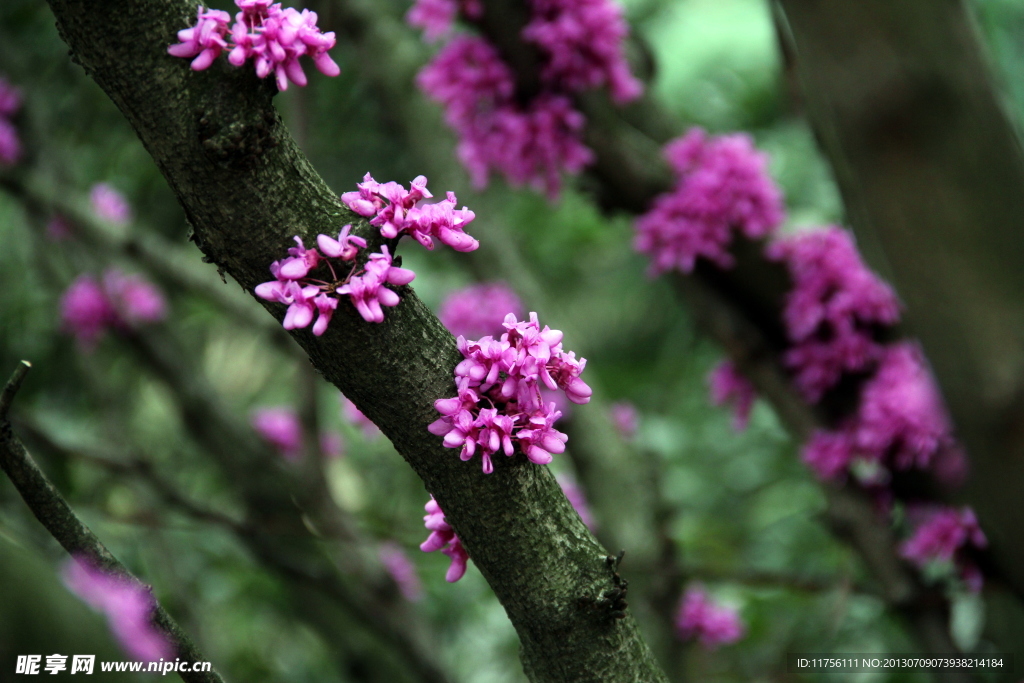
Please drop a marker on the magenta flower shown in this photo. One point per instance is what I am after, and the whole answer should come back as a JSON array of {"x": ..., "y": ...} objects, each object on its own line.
[
  {"x": 727, "y": 385},
  {"x": 368, "y": 292},
  {"x": 280, "y": 427},
  {"x": 500, "y": 404},
  {"x": 834, "y": 309},
  {"x": 530, "y": 144},
  {"x": 127, "y": 606},
  {"x": 345, "y": 247},
  {"x": 86, "y": 311},
  {"x": 204, "y": 41},
  {"x": 88, "y": 308},
  {"x": 436, "y": 17},
  {"x": 10, "y": 143},
  {"x": 442, "y": 537},
  {"x": 274, "y": 38},
  {"x": 723, "y": 186},
  {"x": 479, "y": 310},
  {"x": 402, "y": 570},
  {"x": 945, "y": 534},
  {"x": 582, "y": 43},
  {"x": 829, "y": 454},
  {"x": 110, "y": 205},
  {"x": 700, "y": 618},
  {"x": 135, "y": 300}
]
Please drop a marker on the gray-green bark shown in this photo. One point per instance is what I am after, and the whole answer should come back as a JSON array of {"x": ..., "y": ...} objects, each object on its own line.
[
  {"x": 932, "y": 177},
  {"x": 246, "y": 189}
]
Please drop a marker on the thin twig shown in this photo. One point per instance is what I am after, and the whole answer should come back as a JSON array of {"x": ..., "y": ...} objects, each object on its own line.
[{"x": 54, "y": 512}]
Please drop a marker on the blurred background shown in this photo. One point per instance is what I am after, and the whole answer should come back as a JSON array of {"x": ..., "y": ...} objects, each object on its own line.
[{"x": 122, "y": 423}]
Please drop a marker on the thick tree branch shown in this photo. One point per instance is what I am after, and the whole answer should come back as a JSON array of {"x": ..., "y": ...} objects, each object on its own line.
[
  {"x": 246, "y": 189},
  {"x": 53, "y": 511}
]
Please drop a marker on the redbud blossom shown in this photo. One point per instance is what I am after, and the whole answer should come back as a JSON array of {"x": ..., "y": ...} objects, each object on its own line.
[
  {"x": 442, "y": 537},
  {"x": 499, "y": 404},
  {"x": 946, "y": 535},
  {"x": 700, "y": 618},
  {"x": 727, "y": 385},
  {"x": 274, "y": 38},
  {"x": 402, "y": 570},
  {"x": 723, "y": 186},
  {"x": 128, "y": 608},
  {"x": 89, "y": 308},
  {"x": 10, "y": 143},
  {"x": 109, "y": 204},
  {"x": 479, "y": 310}
]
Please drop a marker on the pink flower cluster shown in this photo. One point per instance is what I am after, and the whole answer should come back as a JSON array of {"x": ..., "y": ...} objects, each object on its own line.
[
  {"x": 109, "y": 204},
  {"x": 396, "y": 211},
  {"x": 442, "y": 537},
  {"x": 834, "y": 309},
  {"x": 128, "y": 608},
  {"x": 722, "y": 186},
  {"x": 727, "y": 385},
  {"x": 700, "y": 618},
  {"x": 10, "y": 143},
  {"x": 499, "y": 403},
  {"x": 274, "y": 38},
  {"x": 624, "y": 418},
  {"x": 529, "y": 142},
  {"x": 945, "y": 534},
  {"x": 582, "y": 42},
  {"x": 89, "y": 308},
  {"x": 402, "y": 570},
  {"x": 280, "y": 427},
  {"x": 479, "y": 310}
]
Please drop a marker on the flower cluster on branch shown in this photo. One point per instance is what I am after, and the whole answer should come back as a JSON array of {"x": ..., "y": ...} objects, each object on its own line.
[
  {"x": 499, "y": 404},
  {"x": 118, "y": 301},
  {"x": 273, "y": 37},
  {"x": 835, "y": 316},
  {"x": 396, "y": 212},
  {"x": 530, "y": 138}
]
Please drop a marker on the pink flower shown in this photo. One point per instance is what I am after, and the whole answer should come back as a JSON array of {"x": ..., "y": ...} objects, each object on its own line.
[
  {"x": 727, "y": 385},
  {"x": 833, "y": 310},
  {"x": 127, "y": 606},
  {"x": 135, "y": 300},
  {"x": 402, "y": 570},
  {"x": 274, "y": 38},
  {"x": 345, "y": 247},
  {"x": 207, "y": 39},
  {"x": 698, "y": 617},
  {"x": 10, "y": 144},
  {"x": 723, "y": 187},
  {"x": 442, "y": 537},
  {"x": 479, "y": 310},
  {"x": 368, "y": 292},
  {"x": 829, "y": 454},
  {"x": 582, "y": 44},
  {"x": 946, "y": 535},
  {"x": 500, "y": 404},
  {"x": 531, "y": 143},
  {"x": 578, "y": 500},
  {"x": 279, "y": 426},
  {"x": 281, "y": 429},
  {"x": 110, "y": 205},
  {"x": 436, "y": 17},
  {"x": 10, "y": 98},
  {"x": 86, "y": 311},
  {"x": 624, "y": 418},
  {"x": 88, "y": 308}
]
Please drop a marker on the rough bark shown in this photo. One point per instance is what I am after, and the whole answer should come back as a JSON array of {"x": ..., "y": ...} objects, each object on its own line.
[
  {"x": 932, "y": 176},
  {"x": 246, "y": 189}
]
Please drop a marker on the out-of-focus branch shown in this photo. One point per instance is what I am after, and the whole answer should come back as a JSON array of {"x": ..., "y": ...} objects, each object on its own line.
[
  {"x": 53, "y": 511},
  {"x": 932, "y": 177}
]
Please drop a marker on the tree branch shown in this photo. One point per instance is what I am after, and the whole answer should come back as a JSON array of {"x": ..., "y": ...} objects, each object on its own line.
[
  {"x": 54, "y": 513},
  {"x": 246, "y": 189}
]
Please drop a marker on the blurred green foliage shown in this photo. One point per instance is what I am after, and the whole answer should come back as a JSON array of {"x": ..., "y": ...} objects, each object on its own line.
[{"x": 744, "y": 510}]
